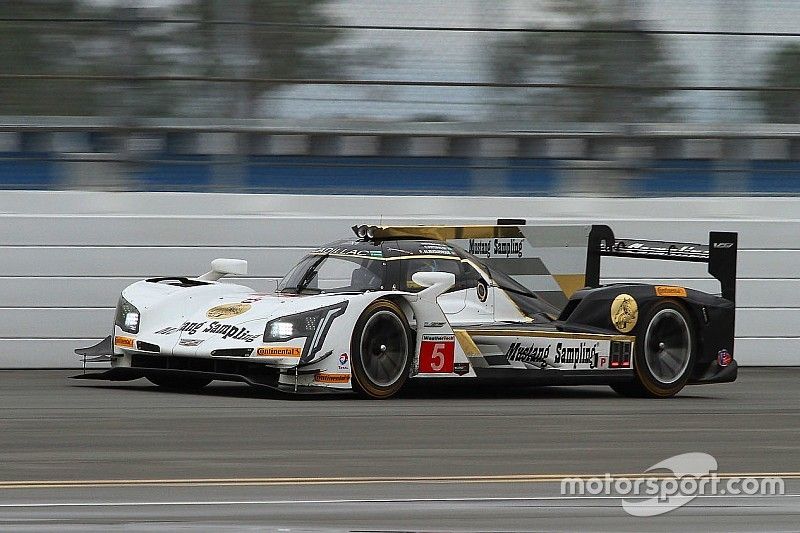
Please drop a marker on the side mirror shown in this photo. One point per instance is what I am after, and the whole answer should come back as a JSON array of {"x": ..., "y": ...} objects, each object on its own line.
[
  {"x": 436, "y": 282},
  {"x": 222, "y": 267},
  {"x": 429, "y": 279}
]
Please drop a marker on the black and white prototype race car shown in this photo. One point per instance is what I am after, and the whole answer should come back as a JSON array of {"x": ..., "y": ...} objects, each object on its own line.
[{"x": 510, "y": 302}]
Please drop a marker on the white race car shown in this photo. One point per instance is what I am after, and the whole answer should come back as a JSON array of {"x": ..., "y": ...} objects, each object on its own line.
[{"x": 508, "y": 302}]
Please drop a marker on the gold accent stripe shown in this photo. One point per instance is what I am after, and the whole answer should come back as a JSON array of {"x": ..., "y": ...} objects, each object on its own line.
[
  {"x": 548, "y": 334},
  {"x": 466, "y": 342},
  {"x": 511, "y": 478},
  {"x": 444, "y": 233},
  {"x": 570, "y": 283}
]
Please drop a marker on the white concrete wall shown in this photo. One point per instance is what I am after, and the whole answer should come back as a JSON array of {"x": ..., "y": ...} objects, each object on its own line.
[{"x": 66, "y": 255}]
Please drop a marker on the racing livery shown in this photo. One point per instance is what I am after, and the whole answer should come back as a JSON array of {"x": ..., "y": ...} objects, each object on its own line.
[{"x": 508, "y": 303}]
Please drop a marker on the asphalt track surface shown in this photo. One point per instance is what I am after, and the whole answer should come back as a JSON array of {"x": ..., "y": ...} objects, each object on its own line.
[{"x": 92, "y": 456}]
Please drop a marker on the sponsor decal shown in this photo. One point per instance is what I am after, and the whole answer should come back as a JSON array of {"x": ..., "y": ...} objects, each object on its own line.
[
  {"x": 508, "y": 247},
  {"x": 583, "y": 354},
  {"x": 189, "y": 328},
  {"x": 461, "y": 368},
  {"x": 528, "y": 354},
  {"x": 344, "y": 362},
  {"x": 649, "y": 248},
  {"x": 279, "y": 351},
  {"x": 663, "y": 290},
  {"x": 724, "y": 357},
  {"x": 624, "y": 313},
  {"x": 496, "y": 247},
  {"x": 227, "y": 331},
  {"x": 723, "y": 245},
  {"x": 239, "y": 333},
  {"x": 190, "y": 342},
  {"x": 435, "y": 248},
  {"x": 123, "y": 342},
  {"x": 333, "y": 250},
  {"x": 228, "y": 310},
  {"x": 433, "y": 324},
  {"x": 255, "y": 297},
  {"x": 483, "y": 291},
  {"x": 331, "y": 378},
  {"x": 437, "y": 354},
  {"x": 480, "y": 247}
]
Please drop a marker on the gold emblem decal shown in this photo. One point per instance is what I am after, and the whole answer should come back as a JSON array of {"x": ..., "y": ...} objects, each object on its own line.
[
  {"x": 624, "y": 312},
  {"x": 665, "y": 290},
  {"x": 227, "y": 310}
]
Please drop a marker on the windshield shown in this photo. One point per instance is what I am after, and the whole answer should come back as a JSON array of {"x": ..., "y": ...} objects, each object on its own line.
[{"x": 327, "y": 273}]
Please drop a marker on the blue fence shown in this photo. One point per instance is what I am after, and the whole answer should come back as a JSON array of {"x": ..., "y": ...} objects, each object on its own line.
[{"x": 405, "y": 174}]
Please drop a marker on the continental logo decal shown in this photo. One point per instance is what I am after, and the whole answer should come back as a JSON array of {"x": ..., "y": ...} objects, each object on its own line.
[
  {"x": 332, "y": 378},
  {"x": 624, "y": 313},
  {"x": 227, "y": 310},
  {"x": 279, "y": 351},
  {"x": 124, "y": 342},
  {"x": 665, "y": 290}
]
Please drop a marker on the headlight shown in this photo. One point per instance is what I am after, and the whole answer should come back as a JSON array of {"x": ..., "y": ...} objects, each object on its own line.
[
  {"x": 127, "y": 316},
  {"x": 313, "y": 325}
]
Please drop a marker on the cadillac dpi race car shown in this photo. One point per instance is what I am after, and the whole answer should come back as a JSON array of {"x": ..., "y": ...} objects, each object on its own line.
[{"x": 512, "y": 303}]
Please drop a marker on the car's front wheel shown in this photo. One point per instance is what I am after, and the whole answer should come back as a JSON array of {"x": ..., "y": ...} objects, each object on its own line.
[
  {"x": 381, "y": 349},
  {"x": 664, "y": 353},
  {"x": 184, "y": 383}
]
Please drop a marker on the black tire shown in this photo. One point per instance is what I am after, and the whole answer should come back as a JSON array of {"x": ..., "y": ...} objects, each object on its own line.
[
  {"x": 664, "y": 352},
  {"x": 381, "y": 350},
  {"x": 184, "y": 383}
]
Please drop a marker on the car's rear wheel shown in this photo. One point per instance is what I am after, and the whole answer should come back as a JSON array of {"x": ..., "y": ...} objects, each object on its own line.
[
  {"x": 185, "y": 383},
  {"x": 381, "y": 349},
  {"x": 664, "y": 353}
]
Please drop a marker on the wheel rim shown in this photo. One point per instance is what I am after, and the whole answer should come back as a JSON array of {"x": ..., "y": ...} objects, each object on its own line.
[
  {"x": 667, "y": 346},
  {"x": 384, "y": 348}
]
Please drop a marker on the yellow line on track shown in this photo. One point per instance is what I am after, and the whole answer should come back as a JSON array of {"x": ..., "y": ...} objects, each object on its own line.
[{"x": 216, "y": 482}]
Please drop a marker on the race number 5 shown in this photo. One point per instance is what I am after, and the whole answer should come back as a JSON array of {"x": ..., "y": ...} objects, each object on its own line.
[{"x": 436, "y": 354}]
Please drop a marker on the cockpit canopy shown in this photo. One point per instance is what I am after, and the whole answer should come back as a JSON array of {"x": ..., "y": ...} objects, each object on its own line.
[{"x": 354, "y": 266}]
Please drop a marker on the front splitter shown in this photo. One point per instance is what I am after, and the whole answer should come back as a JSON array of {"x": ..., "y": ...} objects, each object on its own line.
[{"x": 130, "y": 374}]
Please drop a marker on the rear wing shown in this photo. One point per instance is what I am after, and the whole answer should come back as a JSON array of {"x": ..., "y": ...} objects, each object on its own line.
[{"x": 719, "y": 253}]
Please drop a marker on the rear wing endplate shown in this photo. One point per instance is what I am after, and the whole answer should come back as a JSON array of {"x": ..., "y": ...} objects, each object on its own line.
[{"x": 719, "y": 253}]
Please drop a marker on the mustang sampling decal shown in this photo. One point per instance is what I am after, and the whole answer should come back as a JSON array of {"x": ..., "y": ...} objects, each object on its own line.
[
  {"x": 239, "y": 333},
  {"x": 490, "y": 248}
]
